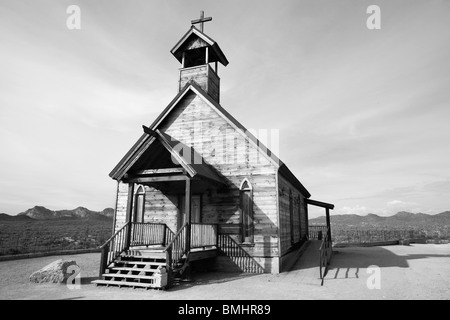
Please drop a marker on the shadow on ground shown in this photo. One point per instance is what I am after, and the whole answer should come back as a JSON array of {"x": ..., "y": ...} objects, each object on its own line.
[
  {"x": 87, "y": 280},
  {"x": 347, "y": 263},
  {"x": 211, "y": 277}
]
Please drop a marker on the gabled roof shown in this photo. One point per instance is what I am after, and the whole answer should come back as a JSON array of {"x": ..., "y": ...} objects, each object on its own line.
[
  {"x": 193, "y": 32},
  {"x": 197, "y": 168},
  {"x": 127, "y": 161}
]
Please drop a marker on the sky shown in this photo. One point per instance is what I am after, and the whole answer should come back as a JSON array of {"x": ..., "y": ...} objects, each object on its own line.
[{"x": 363, "y": 114}]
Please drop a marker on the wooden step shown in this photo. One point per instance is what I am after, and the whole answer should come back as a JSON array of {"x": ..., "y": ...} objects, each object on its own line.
[
  {"x": 123, "y": 283},
  {"x": 127, "y": 276},
  {"x": 144, "y": 257},
  {"x": 140, "y": 263},
  {"x": 132, "y": 269},
  {"x": 155, "y": 249},
  {"x": 152, "y": 254}
]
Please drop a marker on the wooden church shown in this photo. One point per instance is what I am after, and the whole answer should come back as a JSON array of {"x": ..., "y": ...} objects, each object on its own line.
[{"x": 199, "y": 190}]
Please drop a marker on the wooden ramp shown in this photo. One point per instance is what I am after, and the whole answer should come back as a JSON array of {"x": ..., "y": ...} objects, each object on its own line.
[{"x": 306, "y": 268}]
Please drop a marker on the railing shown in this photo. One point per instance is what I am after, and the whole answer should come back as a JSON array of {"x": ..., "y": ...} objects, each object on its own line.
[
  {"x": 325, "y": 252},
  {"x": 134, "y": 234},
  {"x": 238, "y": 255},
  {"x": 168, "y": 237},
  {"x": 176, "y": 247},
  {"x": 203, "y": 235},
  {"x": 147, "y": 234},
  {"x": 114, "y": 247},
  {"x": 316, "y": 231}
]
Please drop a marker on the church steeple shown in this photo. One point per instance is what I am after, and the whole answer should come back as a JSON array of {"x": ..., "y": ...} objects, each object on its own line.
[{"x": 197, "y": 53}]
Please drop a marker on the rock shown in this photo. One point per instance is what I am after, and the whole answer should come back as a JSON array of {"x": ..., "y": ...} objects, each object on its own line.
[{"x": 55, "y": 272}]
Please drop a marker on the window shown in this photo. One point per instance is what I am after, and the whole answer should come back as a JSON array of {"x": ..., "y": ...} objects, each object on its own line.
[
  {"x": 246, "y": 209},
  {"x": 139, "y": 204}
]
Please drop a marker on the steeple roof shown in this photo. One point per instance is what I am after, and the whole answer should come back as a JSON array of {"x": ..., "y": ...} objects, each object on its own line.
[{"x": 194, "y": 39}]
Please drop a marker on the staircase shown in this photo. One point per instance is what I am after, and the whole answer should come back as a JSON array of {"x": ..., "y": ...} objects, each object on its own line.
[
  {"x": 143, "y": 256},
  {"x": 149, "y": 255},
  {"x": 137, "y": 269}
]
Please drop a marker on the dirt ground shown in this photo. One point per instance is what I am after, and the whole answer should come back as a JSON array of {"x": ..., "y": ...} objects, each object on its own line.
[{"x": 418, "y": 271}]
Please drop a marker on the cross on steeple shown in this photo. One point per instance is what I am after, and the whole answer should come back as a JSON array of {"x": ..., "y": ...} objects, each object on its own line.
[{"x": 201, "y": 20}]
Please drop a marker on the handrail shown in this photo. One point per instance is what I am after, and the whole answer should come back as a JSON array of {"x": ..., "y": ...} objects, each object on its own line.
[
  {"x": 244, "y": 261},
  {"x": 176, "y": 235},
  {"x": 325, "y": 252},
  {"x": 168, "y": 236},
  {"x": 146, "y": 234},
  {"x": 133, "y": 234},
  {"x": 115, "y": 245},
  {"x": 114, "y": 235},
  {"x": 176, "y": 248}
]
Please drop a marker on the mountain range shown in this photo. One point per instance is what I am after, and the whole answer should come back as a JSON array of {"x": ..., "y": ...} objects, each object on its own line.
[
  {"x": 400, "y": 219},
  {"x": 42, "y": 213}
]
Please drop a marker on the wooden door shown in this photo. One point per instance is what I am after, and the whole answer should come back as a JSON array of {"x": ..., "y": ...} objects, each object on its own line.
[{"x": 196, "y": 210}]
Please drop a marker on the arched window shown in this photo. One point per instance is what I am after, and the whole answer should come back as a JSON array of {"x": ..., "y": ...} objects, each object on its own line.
[
  {"x": 246, "y": 209},
  {"x": 139, "y": 204}
]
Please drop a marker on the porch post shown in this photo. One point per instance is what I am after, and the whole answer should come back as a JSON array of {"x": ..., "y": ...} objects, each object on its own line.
[
  {"x": 328, "y": 222},
  {"x": 129, "y": 213},
  {"x": 187, "y": 208},
  {"x": 307, "y": 220}
]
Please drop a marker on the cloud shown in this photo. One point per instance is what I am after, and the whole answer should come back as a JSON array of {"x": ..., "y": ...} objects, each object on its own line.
[
  {"x": 396, "y": 203},
  {"x": 358, "y": 209}
]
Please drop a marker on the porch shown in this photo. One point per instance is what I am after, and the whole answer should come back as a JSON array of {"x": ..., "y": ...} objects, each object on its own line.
[{"x": 151, "y": 255}]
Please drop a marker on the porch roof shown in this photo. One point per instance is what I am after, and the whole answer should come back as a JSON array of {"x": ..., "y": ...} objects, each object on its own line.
[
  {"x": 189, "y": 160},
  {"x": 320, "y": 204}
]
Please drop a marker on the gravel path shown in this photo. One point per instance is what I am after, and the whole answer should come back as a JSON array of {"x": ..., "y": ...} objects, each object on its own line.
[{"x": 406, "y": 272}]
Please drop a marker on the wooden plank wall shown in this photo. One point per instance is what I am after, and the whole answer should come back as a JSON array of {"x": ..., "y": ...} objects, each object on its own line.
[
  {"x": 161, "y": 208},
  {"x": 158, "y": 207},
  {"x": 196, "y": 124},
  {"x": 299, "y": 217},
  {"x": 213, "y": 84},
  {"x": 303, "y": 218},
  {"x": 198, "y": 74},
  {"x": 204, "y": 76},
  {"x": 121, "y": 207}
]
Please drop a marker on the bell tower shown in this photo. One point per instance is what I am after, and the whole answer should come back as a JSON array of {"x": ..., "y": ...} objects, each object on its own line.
[{"x": 199, "y": 56}]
